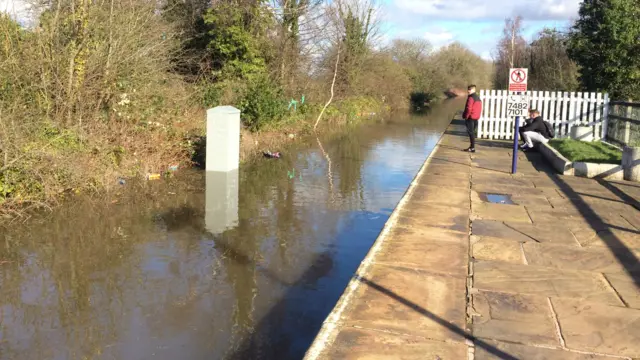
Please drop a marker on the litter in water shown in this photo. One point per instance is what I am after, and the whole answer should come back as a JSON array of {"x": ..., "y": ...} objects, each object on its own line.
[
  {"x": 173, "y": 168},
  {"x": 269, "y": 154},
  {"x": 153, "y": 177}
]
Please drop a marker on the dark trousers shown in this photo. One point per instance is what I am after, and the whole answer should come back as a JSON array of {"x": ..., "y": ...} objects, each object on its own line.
[
  {"x": 520, "y": 132},
  {"x": 471, "y": 130}
]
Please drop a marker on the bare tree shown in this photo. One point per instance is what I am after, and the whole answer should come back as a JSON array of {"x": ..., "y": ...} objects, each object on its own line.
[
  {"x": 550, "y": 66},
  {"x": 511, "y": 51}
]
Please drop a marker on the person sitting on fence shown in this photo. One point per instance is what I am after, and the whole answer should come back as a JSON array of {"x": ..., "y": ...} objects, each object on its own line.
[{"x": 534, "y": 132}]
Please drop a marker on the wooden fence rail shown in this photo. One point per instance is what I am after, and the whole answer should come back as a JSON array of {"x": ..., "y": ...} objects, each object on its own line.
[
  {"x": 563, "y": 110},
  {"x": 624, "y": 123}
]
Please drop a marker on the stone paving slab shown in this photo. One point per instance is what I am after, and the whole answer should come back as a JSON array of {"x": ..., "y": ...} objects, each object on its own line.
[
  {"x": 556, "y": 233},
  {"x": 599, "y": 328},
  {"x": 555, "y": 276},
  {"x": 448, "y": 217},
  {"x": 441, "y": 195},
  {"x": 499, "y": 212},
  {"x": 410, "y": 301},
  {"x": 515, "y": 318},
  {"x": 631, "y": 217},
  {"x": 366, "y": 344},
  {"x": 444, "y": 181},
  {"x": 496, "y": 249},
  {"x": 585, "y": 259},
  {"x": 499, "y": 229},
  {"x": 614, "y": 238},
  {"x": 502, "y": 180},
  {"x": 444, "y": 257},
  {"x": 533, "y": 353},
  {"x": 626, "y": 285},
  {"x": 454, "y": 173},
  {"x": 542, "y": 281},
  {"x": 429, "y": 233}
]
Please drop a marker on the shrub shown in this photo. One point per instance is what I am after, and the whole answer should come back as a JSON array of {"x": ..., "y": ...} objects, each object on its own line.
[{"x": 263, "y": 103}]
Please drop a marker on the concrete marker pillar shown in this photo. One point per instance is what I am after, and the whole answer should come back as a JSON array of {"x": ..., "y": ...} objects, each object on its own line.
[
  {"x": 222, "y": 163},
  {"x": 223, "y": 139},
  {"x": 631, "y": 163}
]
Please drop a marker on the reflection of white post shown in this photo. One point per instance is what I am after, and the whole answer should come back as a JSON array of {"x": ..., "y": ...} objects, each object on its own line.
[
  {"x": 223, "y": 138},
  {"x": 221, "y": 194},
  {"x": 222, "y": 162}
]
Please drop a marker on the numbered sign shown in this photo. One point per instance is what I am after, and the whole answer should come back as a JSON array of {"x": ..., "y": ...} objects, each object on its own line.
[{"x": 517, "y": 105}]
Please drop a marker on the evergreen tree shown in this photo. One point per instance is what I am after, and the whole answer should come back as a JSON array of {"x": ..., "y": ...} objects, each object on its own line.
[{"x": 605, "y": 43}]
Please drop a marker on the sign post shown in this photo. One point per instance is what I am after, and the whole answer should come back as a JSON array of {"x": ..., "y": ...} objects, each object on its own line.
[{"x": 517, "y": 106}]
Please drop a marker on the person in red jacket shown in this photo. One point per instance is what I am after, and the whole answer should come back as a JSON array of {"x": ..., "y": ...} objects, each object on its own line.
[{"x": 471, "y": 115}]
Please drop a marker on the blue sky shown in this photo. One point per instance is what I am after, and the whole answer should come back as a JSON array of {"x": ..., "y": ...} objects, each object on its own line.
[{"x": 475, "y": 23}]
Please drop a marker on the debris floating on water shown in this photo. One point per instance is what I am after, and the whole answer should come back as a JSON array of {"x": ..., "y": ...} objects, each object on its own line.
[
  {"x": 270, "y": 155},
  {"x": 173, "y": 168},
  {"x": 153, "y": 177},
  {"x": 122, "y": 181}
]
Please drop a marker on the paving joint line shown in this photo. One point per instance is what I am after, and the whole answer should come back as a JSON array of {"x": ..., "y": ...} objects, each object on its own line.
[
  {"x": 559, "y": 348},
  {"x": 557, "y": 324},
  {"x": 469, "y": 297},
  {"x": 575, "y": 238},
  {"x": 524, "y": 255},
  {"x": 613, "y": 289}
]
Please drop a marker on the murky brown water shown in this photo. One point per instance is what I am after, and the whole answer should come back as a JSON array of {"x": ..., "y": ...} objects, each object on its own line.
[{"x": 184, "y": 269}]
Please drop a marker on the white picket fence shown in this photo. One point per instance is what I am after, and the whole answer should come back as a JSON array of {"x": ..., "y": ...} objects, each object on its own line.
[{"x": 562, "y": 109}]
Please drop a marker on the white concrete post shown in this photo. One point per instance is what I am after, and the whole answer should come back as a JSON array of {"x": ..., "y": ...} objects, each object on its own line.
[
  {"x": 223, "y": 139},
  {"x": 582, "y": 133},
  {"x": 631, "y": 163},
  {"x": 627, "y": 125},
  {"x": 222, "y": 162},
  {"x": 221, "y": 201}
]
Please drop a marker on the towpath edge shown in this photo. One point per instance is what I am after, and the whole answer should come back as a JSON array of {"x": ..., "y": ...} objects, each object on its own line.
[{"x": 553, "y": 275}]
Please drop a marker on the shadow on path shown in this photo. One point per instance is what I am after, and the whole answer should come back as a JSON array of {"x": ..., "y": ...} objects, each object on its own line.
[
  {"x": 623, "y": 254},
  {"x": 428, "y": 314},
  {"x": 439, "y": 159}
]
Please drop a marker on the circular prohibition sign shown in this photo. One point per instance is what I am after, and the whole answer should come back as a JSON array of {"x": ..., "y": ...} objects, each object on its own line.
[{"x": 518, "y": 76}]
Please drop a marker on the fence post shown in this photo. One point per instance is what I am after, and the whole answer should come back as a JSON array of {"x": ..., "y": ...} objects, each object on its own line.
[
  {"x": 627, "y": 124},
  {"x": 605, "y": 117},
  {"x": 483, "y": 116}
]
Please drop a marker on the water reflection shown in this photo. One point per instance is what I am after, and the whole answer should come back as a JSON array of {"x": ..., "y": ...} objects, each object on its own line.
[
  {"x": 222, "y": 200},
  {"x": 160, "y": 271}
]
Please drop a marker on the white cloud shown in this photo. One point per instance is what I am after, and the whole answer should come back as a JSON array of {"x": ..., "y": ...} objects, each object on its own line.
[
  {"x": 486, "y": 55},
  {"x": 439, "y": 37},
  {"x": 490, "y": 9}
]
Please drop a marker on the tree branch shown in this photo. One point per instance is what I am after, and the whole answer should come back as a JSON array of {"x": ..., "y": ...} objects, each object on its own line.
[{"x": 333, "y": 84}]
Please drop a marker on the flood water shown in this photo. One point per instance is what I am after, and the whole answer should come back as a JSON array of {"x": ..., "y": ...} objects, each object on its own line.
[{"x": 209, "y": 266}]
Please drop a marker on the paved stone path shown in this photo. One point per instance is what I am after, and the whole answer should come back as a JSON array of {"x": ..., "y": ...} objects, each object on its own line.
[{"x": 553, "y": 276}]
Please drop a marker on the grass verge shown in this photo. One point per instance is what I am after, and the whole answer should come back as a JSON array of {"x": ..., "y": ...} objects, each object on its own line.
[{"x": 593, "y": 152}]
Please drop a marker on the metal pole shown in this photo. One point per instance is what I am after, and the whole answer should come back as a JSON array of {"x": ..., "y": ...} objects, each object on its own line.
[{"x": 514, "y": 162}]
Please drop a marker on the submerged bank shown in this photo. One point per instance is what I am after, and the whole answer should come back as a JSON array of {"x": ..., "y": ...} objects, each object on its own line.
[
  {"x": 139, "y": 274},
  {"x": 63, "y": 163}
]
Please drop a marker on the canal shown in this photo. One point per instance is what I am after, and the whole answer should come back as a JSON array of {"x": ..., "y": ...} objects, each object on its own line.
[{"x": 204, "y": 267}]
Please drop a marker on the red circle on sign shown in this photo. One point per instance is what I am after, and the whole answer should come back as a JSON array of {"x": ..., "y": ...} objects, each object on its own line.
[{"x": 518, "y": 76}]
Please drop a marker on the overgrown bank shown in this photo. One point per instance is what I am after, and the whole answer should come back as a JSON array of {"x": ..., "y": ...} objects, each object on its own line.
[{"x": 95, "y": 92}]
